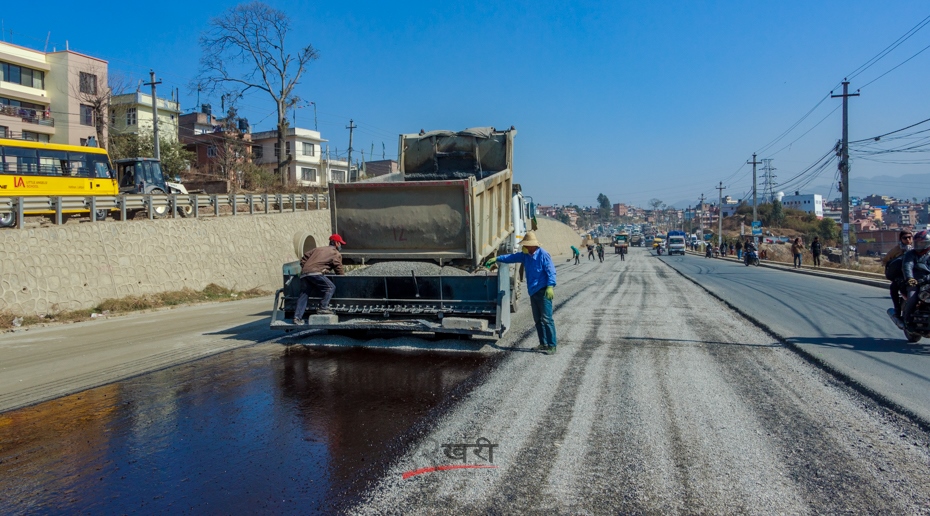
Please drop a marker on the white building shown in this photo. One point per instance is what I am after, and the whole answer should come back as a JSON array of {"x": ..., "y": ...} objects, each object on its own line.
[
  {"x": 132, "y": 114},
  {"x": 812, "y": 203},
  {"x": 310, "y": 164}
]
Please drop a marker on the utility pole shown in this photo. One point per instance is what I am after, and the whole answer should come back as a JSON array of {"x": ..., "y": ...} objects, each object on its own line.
[
  {"x": 720, "y": 213},
  {"x": 755, "y": 199},
  {"x": 701, "y": 217},
  {"x": 152, "y": 83},
  {"x": 844, "y": 167},
  {"x": 350, "y": 127}
]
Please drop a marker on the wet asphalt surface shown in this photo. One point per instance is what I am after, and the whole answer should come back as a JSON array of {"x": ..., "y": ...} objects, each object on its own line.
[{"x": 268, "y": 428}]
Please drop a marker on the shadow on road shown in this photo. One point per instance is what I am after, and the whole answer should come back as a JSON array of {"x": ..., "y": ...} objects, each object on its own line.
[
  {"x": 700, "y": 342},
  {"x": 871, "y": 344}
]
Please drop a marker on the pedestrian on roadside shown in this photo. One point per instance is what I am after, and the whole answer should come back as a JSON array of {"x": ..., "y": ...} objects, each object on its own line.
[
  {"x": 816, "y": 249},
  {"x": 576, "y": 254},
  {"x": 312, "y": 266},
  {"x": 723, "y": 249},
  {"x": 590, "y": 251},
  {"x": 732, "y": 249},
  {"x": 796, "y": 248},
  {"x": 623, "y": 253},
  {"x": 540, "y": 283},
  {"x": 600, "y": 252},
  {"x": 739, "y": 249}
]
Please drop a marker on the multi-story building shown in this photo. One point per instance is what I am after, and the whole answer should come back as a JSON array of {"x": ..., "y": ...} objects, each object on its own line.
[
  {"x": 131, "y": 113},
  {"x": 310, "y": 165},
  {"x": 812, "y": 203},
  {"x": 57, "y": 96},
  {"x": 218, "y": 144}
]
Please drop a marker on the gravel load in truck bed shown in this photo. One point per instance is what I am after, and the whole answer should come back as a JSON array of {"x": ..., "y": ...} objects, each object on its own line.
[{"x": 404, "y": 268}]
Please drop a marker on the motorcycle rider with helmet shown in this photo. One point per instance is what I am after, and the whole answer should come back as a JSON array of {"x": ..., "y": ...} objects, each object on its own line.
[{"x": 916, "y": 267}]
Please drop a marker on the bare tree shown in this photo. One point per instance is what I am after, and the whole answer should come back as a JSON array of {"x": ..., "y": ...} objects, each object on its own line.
[
  {"x": 94, "y": 89},
  {"x": 245, "y": 49}
]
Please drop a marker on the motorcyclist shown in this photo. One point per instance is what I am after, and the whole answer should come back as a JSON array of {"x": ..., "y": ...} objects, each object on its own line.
[
  {"x": 905, "y": 238},
  {"x": 748, "y": 249},
  {"x": 916, "y": 267}
]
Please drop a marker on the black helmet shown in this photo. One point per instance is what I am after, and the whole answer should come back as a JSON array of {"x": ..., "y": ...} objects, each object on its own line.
[{"x": 922, "y": 241}]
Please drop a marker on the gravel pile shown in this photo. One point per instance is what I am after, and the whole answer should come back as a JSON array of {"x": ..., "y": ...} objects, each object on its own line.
[{"x": 404, "y": 268}]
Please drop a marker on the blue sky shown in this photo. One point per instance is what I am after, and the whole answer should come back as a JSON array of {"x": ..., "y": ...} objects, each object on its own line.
[{"x": 636, "y": 100}]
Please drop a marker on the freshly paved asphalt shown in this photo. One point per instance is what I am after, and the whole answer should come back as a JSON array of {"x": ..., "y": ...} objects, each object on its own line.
[{"x": 842, "y": 325}]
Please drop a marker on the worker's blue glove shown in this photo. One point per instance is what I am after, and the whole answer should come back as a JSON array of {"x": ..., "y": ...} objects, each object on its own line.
[
  {"x": 490, "y": 262},
  {"x": 550, "y": 293}
]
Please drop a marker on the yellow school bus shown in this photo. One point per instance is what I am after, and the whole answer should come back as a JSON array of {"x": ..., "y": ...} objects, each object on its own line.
[{"x": 51, "y": 170}]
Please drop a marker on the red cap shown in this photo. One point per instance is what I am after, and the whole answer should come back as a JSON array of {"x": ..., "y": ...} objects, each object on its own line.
[{"x": 338, "y": 239}]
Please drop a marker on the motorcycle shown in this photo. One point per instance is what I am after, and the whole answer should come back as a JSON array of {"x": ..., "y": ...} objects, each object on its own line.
[
  {"x": 918, "y": 325},
  {"x": 751, "y": 257}
]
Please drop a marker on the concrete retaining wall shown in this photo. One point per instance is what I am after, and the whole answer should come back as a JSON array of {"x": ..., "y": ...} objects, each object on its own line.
[
  {"x": 73, "y": 267},
  {"x": 76, "y": 266}
]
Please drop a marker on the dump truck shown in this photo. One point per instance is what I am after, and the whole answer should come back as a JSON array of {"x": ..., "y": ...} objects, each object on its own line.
[
  {"x": 423, "y": 234},
  {"x": 621, "y": 240}
]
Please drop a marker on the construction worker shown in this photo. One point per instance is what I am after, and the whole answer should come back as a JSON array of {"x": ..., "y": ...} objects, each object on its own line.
[
  {"x": 540, "y": 280},
  {"x": 312, "y": 266}
]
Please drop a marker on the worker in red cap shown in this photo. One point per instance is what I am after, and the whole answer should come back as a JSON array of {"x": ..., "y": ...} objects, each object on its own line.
[{"x": 312, "y": 266}]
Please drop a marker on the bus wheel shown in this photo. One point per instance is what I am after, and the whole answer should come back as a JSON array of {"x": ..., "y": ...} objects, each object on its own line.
[
  {"x": 101, "y": 215},
  {"x": 7, "y": 219}
]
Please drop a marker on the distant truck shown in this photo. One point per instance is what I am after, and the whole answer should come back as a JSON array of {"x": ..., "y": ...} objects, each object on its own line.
[
  {"x": 676, "y": 242},
  {"x": 452, "y": 205},
  {"x": 621, "y": 241},
  {"x": 636, "y": 240}
]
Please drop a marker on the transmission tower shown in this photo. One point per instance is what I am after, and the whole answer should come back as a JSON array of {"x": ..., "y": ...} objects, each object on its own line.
[{"x": 768, "y": 181}]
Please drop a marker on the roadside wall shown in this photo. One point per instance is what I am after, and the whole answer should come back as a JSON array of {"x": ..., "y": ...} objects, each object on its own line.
[
  {"x": 556, "y": 237},
  {"x": 76, "y": 266}
]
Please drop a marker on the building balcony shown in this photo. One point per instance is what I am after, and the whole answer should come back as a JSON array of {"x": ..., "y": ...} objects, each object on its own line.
[{"x": 31, "y": 116}]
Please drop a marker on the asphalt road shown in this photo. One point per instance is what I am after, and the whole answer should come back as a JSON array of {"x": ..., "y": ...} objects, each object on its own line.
[
  {"x": 661, "y": 399},
  {"x": 844, "y": 325}
]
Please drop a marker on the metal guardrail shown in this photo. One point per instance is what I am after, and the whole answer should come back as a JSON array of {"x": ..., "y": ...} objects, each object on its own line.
[{"x": 162, "y": 206}]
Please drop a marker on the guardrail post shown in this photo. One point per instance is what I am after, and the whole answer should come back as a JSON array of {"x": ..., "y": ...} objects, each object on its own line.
[
  {"x": 196, "y": 206},
  {"x": 316, "y": 197},
  {"x": 278, "y": 198},
  {"x": 234, "y": 208},
  {"x": 265, "y": 202},
  {"x": 251, "y": 204},
  {"x": 293, "y": 203},
  {"x": 215, "y": 199},
  {"x": 20, "y": 212},
  {"x": 57, "y": 201},
  {"x": 151, "y": 209},
  {"x": 93, "y": 209},
  {"x": 122, "y": 207},
  {"x": 306, "y": 202},
  {"x": 173, "y": 205}
]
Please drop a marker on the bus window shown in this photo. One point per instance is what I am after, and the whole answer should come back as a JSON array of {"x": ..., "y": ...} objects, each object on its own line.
[
  {"x": 79, "y": 164},
  {"x": 20, "y": 161},
  {"x": 100, "y": 166}
]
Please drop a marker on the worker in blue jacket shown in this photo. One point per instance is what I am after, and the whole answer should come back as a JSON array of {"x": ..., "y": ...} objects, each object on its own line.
[{"x": 540, "y": 281}]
